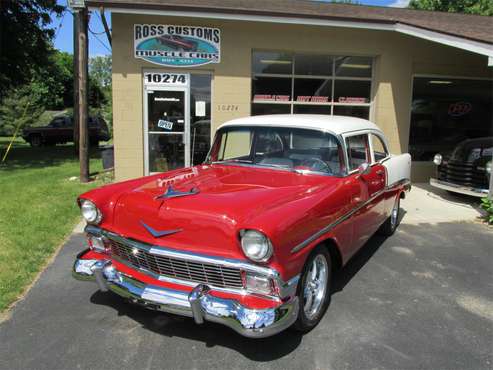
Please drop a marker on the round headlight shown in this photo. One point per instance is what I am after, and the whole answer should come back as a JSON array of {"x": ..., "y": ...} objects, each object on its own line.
[
  {"x": 437, "y": 159},
  {"x": 488, "y": 167},
  {"x": 90, "y": 212},
  {"x": 256, "y": 245}
]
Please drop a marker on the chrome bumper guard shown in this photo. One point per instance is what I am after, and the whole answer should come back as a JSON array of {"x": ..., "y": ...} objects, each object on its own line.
[
  {"x": 474, "y": 192},
  {"x": 199, "y": 303}
]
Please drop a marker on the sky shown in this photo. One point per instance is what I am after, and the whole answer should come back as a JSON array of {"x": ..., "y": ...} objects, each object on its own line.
[{"x": 98, "y": 43}]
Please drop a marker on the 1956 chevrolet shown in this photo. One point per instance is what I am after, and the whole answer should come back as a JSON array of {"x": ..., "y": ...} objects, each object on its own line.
[{"x": 250, "y": 238}]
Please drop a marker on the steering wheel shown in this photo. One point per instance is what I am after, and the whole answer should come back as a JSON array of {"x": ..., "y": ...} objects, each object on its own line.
[{"x": 316, "y": 164}]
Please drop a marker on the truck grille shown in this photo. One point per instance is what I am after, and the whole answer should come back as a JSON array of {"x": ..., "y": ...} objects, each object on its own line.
[
  {"x": 215, "y": 275},
  {"x": 463, "y": 173}
]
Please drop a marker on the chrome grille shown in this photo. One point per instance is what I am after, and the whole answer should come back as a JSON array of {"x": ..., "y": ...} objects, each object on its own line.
[
  {"x": 463, "y": 173},
  {"x": 216, "y": 275}
]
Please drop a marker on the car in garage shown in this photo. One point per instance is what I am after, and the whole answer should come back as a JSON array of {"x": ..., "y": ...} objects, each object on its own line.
[
  {"x": 467, "y": 169},
  {"x": 250, "y": 238}
]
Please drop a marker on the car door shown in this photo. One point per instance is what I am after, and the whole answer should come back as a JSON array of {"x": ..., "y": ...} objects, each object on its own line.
[
  {"x": 380, "y": 154},
  {"x": 368, "y": 199},
  {"x": 358, "y": 153},
  {"x": 54, "y": 130}
]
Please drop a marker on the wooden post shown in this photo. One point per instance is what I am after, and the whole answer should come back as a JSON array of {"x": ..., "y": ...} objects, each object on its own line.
[{"x": 81, "y": 85}]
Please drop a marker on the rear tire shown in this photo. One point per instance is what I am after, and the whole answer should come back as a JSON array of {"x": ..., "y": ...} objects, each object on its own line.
[
  {"x": 314, "y": 290},
  {"x": 390, "y": 225}
]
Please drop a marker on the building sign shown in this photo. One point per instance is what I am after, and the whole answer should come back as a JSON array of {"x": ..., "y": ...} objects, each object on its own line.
[
  {"x": 460, "y": 108},
  {"x": 154, "y": 78},
  {"x": 177, "y": 46}
]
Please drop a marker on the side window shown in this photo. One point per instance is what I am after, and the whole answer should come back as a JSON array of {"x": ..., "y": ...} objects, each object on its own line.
[
  {"x": 57, "y": 122},
  {"x": 268, "y": 142},
  {"x": 357, "y": 151},
  {"x": 379, "y": 149},
  {"x": 235, "y": 145}
]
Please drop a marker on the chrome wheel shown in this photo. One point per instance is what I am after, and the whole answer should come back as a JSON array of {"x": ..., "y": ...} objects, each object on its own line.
[
  {"x": 394, "y": 216},
  {"x": 315, "y": 287}
]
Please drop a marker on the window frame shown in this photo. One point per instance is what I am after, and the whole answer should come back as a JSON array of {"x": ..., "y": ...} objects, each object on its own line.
[
  {"x": 332, "y": 77},
  {"x": 372, "y": 151},
  {"x": 369, "y": 153}
]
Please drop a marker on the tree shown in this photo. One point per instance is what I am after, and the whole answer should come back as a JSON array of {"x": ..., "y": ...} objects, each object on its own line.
[
  {"x": 25, "y": 42},
  {"x": 479, "y": 7},
  {"x": 21, "y": 108},
  {"x": 100, "y": 70}
]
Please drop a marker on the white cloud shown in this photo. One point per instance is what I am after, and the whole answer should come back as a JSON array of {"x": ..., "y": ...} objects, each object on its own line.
[{"x": 400, "y": 3}]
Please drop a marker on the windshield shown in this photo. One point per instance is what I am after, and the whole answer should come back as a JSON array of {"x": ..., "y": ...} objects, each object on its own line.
[{"x": 282, "y": 148}]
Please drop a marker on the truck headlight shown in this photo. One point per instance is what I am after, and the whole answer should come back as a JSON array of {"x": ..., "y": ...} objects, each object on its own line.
[
  {"x": 437, "y": 159},
  {"x": 488, "y": 167},
  {"x": 256, "y": 245},
  {"x": 90, "y": 212}
]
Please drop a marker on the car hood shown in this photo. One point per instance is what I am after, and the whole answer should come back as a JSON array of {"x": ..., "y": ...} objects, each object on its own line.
[{"x": 219, "y": 200}]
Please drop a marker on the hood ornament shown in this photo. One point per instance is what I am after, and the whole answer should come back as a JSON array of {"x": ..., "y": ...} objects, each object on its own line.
[
  {"x": 172, "y": 193},
  {"x": 157, "y": 233}
]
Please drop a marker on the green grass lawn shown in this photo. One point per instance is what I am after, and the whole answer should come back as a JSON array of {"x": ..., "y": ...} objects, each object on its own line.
[{"x": 37, "y": 209}]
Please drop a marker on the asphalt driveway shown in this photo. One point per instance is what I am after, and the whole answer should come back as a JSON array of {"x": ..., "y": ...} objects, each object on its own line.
[{"x": 422, "y": 299}]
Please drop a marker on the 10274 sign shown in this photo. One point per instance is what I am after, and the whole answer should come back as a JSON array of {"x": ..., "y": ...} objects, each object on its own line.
[{"x": 165, "y": 78}]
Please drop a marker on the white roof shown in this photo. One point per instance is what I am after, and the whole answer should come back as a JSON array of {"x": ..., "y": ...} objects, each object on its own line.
[{"x": 333, "y": 124}]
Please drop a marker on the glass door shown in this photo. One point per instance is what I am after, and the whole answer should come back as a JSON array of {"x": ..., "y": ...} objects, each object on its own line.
[{"x": 167, "y": 137}]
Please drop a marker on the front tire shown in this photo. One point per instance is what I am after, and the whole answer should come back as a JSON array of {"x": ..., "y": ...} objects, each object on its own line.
[{"x": 314, "y": 290}]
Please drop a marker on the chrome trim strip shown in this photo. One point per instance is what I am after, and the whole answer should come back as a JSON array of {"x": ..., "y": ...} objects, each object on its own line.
[{"x": 344, "y": 217}]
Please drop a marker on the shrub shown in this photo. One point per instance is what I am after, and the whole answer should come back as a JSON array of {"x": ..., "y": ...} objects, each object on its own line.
[{"x": 487, "y": 205}]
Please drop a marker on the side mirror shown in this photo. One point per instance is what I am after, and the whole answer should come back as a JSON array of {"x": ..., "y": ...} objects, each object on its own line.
[{"x": 364, "y": 168}]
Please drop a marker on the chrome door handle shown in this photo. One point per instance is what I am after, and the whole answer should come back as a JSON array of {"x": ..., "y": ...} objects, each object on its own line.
[{"x": 380, "y": 172}]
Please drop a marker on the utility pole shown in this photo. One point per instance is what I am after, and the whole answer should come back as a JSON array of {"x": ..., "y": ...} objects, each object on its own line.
[
  {"x": 80, "y": 109},
  {"x": 76, "y": 93}
]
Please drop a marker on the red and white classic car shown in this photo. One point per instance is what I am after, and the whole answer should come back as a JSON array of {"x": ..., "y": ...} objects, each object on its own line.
[{"x": 250, "y": 238}]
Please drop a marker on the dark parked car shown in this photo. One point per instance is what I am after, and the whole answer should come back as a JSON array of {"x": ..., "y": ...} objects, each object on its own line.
[
  {"x": 61, "y": 130},
  {"x": 467, "y": 170}
]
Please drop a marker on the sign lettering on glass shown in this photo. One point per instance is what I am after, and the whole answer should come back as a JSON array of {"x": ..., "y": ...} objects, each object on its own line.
[
  {"x": 152, "y": 78},
  {"x": 312, "y": 99},
  {"x": 167, "y": 125},
  {"x": 271, "y": 97},
  {"x": 177, "y": 46},
  {"x": 350, "y": 99}
]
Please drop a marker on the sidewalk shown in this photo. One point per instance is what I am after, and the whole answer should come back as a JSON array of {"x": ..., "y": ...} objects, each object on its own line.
[{"x": 426, "y": 204}]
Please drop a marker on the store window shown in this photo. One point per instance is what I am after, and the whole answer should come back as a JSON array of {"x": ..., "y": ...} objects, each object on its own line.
[
  {"x": 311, "y": 84},
  {"x": 447, "y": 111}
]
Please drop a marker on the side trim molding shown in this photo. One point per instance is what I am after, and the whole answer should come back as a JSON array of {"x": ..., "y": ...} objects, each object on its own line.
[{"x": 326, "y": 229}]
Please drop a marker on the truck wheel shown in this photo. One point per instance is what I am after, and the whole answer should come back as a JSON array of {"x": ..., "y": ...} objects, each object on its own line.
[
  {"x": 314, "y": 290},
  {"x": 390, "y": 225},
  {"x": 35, "y": 140}
]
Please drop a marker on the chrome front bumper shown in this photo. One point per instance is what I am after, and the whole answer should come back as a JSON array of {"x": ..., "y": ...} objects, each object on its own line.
[
  {"x": 199, "y": 303},
  {"x": 474, "y": 192}
]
